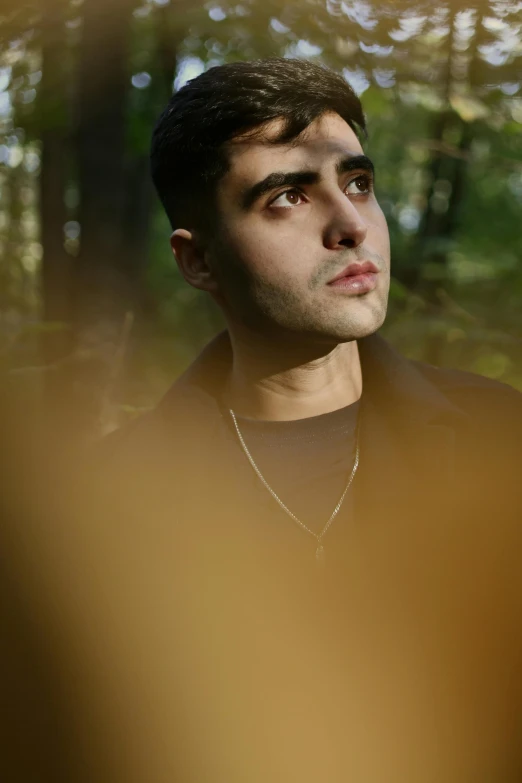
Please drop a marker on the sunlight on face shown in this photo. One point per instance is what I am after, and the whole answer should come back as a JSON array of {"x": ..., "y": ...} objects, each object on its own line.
[{"x": 293, "y": 217}]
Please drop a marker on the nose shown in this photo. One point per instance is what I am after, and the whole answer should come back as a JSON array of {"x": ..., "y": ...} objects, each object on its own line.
[{"x": 344, "y": 225}]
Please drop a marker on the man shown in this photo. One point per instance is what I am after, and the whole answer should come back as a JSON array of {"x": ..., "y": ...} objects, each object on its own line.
[{"x": 343, "y": 522}]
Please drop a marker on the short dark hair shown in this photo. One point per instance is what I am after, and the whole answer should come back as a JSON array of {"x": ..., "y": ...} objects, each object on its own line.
[{"x": 188, "y": 155}]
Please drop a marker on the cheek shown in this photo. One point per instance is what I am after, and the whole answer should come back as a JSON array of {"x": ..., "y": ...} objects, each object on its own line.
[
  {"x": 378, "y": 232},
  {"x": 272, "y": 250}
]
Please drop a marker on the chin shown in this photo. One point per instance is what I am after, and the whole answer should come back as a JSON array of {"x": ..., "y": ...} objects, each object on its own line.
[{"x": 355, "y": 328}]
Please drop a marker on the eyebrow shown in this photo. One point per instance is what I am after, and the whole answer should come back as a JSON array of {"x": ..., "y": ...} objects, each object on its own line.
[{"x": 291, "y": 179}]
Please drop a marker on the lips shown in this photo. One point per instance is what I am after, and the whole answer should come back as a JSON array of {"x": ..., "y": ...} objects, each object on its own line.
[
  {"x": 357, "y": 279},
  {"x": 354, "y": 270}
]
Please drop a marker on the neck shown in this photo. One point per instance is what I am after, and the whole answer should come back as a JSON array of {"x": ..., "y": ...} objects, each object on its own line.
[{"x": 275, "y": 381}]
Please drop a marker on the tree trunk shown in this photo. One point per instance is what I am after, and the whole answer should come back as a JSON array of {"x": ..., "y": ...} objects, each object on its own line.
[
  {"x": 103, "y": 284},
  {"x": 56, "y": 263},
  {"x": 424, "y": 251},
  {"x": 438, "y": 228},
  {"x": 103, "y": 90}
]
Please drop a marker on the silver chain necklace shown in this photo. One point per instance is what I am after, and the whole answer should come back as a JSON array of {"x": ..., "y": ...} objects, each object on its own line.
[{"x": 319, "y": 552}]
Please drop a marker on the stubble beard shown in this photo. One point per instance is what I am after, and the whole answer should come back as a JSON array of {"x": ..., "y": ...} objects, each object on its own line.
[
  {"x": 265, "y": 307},
  {"x": 334, "y": 318}
]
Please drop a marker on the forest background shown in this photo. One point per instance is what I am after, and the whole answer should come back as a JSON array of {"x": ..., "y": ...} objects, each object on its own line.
[{"x": 95, "y": 320}]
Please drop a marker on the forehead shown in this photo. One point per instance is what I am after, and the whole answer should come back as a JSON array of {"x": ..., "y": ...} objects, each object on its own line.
[{"x": 324, "y": 141}]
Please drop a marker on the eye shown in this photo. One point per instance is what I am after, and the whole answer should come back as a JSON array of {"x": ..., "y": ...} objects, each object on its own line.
[
  {"x": 360, "y": 185},
  {"x": 290, "y": 198}
]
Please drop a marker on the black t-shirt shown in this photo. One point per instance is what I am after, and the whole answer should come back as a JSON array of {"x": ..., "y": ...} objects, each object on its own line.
[{"x": 307, "y": 462}]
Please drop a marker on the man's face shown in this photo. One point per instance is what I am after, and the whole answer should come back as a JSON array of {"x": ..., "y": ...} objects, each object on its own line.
[{"x": 292, "y": 218}]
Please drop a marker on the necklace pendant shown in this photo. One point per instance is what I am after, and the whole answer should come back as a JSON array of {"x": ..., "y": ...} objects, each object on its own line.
[{"x": 319, "y": 555}]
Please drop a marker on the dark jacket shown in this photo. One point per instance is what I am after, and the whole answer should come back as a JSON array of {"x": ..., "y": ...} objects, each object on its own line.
[
  {"x": 444, "y": 439},
  {"x": 408, "y": 667}
]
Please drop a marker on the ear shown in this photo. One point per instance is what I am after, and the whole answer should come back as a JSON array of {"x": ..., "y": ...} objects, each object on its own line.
[{"x": 192, "y": 259}]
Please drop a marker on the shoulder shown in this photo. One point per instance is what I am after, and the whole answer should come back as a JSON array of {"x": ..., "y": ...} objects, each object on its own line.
[
  {"x": 165, "y": 434},
  {"x": 449, "y": 380},
  {"x": 476, "y": 394},
  {"x": 119, "y": 439},
  {"x": 136, "y": 447}
]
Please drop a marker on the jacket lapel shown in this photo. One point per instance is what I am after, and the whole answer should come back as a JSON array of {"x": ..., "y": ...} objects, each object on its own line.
[
  {"x": 408, "y": 427},
  {"x": 408, "y": 434}
]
